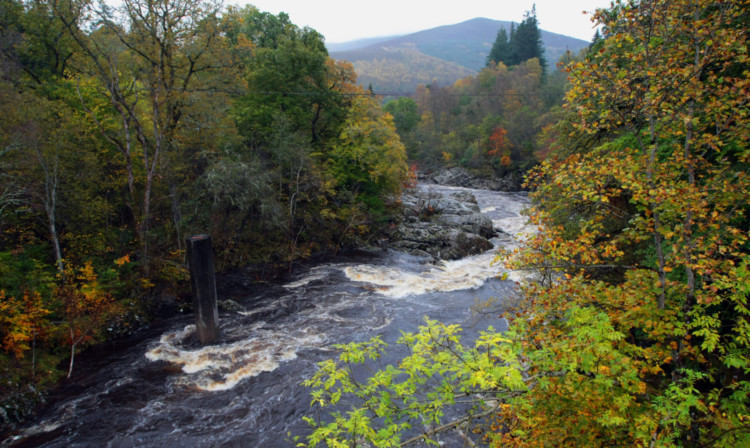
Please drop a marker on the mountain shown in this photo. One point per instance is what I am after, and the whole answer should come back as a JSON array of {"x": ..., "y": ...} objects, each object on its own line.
[
  {"x": 402, "y": 68},
  {"x": 443, "y": 54},
  {"x": 356, "y": 44}
]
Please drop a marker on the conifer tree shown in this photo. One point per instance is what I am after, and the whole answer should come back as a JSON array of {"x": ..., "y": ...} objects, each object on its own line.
[
  {"x": 596, "y": 39},
  {"x": 500, "y": 49},
  {"x": 524, "y": 42}
]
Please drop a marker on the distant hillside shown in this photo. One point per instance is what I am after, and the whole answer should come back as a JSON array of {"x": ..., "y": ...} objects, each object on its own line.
[
  {"x": 451, "y": 51},
  {"x": 356, "y": 44},
  {"x": 402, "y": 69}
]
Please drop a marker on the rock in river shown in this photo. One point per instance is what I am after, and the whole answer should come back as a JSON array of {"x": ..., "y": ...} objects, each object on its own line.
[{"x": 442, "y": 227}]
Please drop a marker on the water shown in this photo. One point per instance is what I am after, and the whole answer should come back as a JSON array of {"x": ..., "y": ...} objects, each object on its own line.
[{"x": 164, "y": 390}]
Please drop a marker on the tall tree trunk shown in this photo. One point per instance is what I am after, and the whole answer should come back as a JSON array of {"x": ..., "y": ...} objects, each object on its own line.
[
  {"x": 51, "y": 180},
  {"x": 658, "y": 240},
  {"x": 143, "y": 225},
  {"x": 72, "y": 352},
  {"x": 687, "y": 233},
  {"x": 176, "y": 212}
]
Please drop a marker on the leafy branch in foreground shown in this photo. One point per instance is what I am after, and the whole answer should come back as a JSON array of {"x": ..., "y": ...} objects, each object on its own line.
[{"x": 439, "y": 385}]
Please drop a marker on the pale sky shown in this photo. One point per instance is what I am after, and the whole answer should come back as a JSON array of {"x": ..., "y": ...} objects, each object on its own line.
[{"x": 342, "y": 20}]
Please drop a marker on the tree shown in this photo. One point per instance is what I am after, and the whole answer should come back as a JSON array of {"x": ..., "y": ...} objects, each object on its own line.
[
  {"x": 24, "y": 323},
  {"x": 501, "y": 50},
  {"x": 35, "y": 43},
  {"x": 32, "y": 159},
  {"x": 398, "y": 399},
  {"x": 289, "y": 120},
  {"x": 405, "y": 114},
  {"x": 499, "y": 146},
  {"x": 288, "y": 74},
  {"x": 85, "y": 308},
  {"x": 369, "y": 159},
  {"x": 145, "y": 63},
  {"x": 654, "y": 202},
  {"x": 596, "y": 40},
  {"x": 525, "y": 41}
]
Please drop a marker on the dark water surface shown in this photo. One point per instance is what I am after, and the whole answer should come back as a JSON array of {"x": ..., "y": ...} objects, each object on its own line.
[{"x": 162, "y": 390}]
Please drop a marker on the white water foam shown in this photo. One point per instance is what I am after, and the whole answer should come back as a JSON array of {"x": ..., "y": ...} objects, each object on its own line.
[
  {"x": 467, "y": 273},
  {"x": 306, "y": 280},
  {"x": 222, "y": 366},
  {"x": 257, "y": 348},
  {"x": 260, "y": 347}
]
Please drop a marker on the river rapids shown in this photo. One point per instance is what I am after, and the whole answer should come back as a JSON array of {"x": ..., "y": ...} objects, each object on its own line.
[{"x": 166, "y": 391}]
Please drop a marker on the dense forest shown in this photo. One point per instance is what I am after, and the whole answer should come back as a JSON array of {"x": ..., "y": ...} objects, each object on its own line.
[
  {"x": 497, "y": 123},
  {"x": 126, "y": 130},
  {"x": 634, "y": 326}
]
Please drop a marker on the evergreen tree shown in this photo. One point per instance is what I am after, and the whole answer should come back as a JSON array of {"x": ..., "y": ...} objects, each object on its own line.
[
  {"x": 526, "y": 41},
  {"x": 500, "y": 49},
  {"x": 596, "y": 40}
]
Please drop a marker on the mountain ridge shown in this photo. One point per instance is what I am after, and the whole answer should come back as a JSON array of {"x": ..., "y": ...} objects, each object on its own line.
[{"x": 453, "y": 51}]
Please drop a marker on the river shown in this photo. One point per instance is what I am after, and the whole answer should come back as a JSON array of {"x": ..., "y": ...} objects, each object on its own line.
[{"x": 163, "y": 390}]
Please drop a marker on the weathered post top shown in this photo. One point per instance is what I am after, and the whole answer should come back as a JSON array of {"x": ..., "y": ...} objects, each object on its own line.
[{"x": 203, "y": 284}]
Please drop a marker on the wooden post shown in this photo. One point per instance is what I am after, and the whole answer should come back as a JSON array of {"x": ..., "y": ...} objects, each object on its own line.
[{"x": 203, "y": 283}]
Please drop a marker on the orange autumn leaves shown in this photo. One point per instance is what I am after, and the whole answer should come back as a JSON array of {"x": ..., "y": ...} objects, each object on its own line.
[
  {"x": 76, "y": 312},
  {"x": 499, "y": 146},
  {"x": 22, "y": 320}
]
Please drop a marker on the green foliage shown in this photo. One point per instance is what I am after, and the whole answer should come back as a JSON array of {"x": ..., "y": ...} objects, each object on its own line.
[
  {"x": 25, "y": 270},
  {"x": 34, "y": 41},
  {"x": 523, "y": 43},
  {"x": 369, "y": 159},
  {"x": 438, "y": 374},
  {"x": 287, "y": 74},
  {"x": 405, "y": 113},
  {"x": 501, "y": 50},
  {"x": 319, "y": 165}
]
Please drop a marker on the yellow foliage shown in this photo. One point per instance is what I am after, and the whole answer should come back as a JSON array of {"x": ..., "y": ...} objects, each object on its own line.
[{"x": 23, "y": 320}]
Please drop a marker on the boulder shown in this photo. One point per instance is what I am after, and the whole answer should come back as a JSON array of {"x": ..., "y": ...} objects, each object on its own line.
[
  {"x": 230, "y": 305},
  {"x": 444, "y": 227},
  {"x": 476, "y": 223}
]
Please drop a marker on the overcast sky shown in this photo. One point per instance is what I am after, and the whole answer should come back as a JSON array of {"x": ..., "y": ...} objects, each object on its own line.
[{"x": 345, "y": 20}]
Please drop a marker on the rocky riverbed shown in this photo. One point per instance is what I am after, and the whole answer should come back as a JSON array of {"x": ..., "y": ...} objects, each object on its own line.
[
  {"x": 461, "y": 177},
  {"x": 442, "y": 227}
]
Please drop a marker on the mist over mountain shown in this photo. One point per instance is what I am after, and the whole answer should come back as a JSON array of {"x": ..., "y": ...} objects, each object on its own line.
[{"x": 443, "y": 54}]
